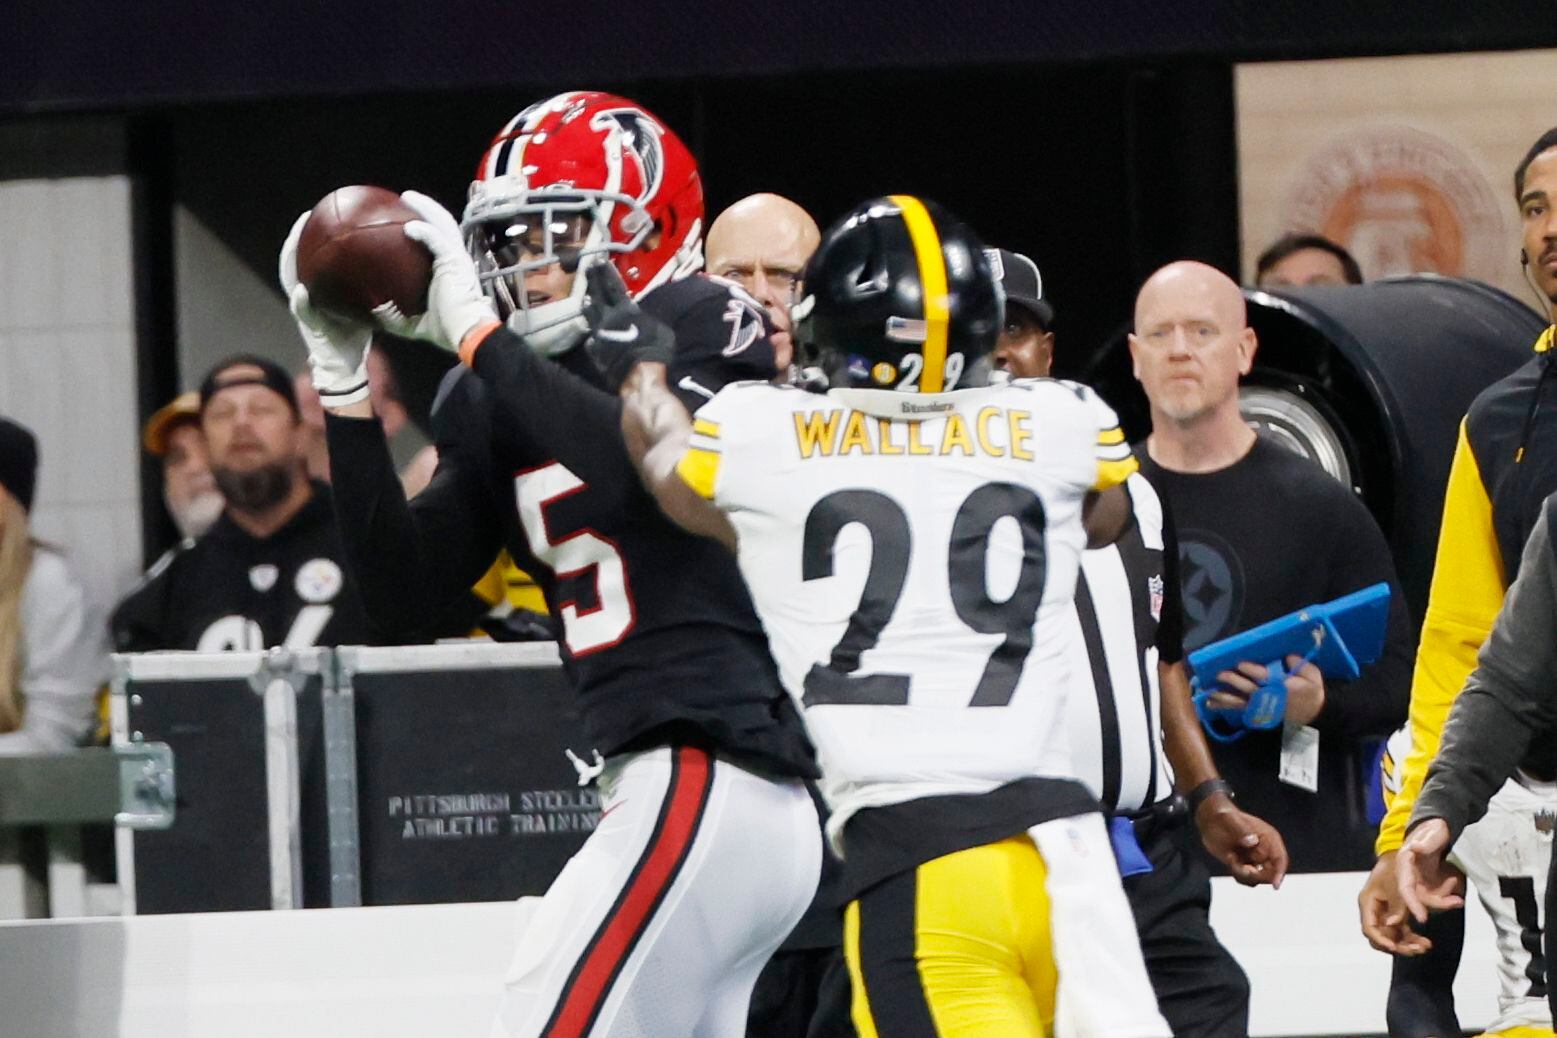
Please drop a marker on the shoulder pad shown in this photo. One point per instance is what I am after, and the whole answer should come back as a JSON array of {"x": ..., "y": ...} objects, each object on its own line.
[
  {"x": 674, "y": 297},
  {"x": 721, "y": 334}
]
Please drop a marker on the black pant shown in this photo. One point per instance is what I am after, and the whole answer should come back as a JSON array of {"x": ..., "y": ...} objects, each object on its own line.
[
  {"x": 1549, "y": 939},
  {"x": 1421, "y": 988},
  {"x": 1201, "y": 989},
  {"x": 802, "y": 993}
]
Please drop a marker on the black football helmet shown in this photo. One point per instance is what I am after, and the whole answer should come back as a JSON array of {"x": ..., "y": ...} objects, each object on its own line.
[{"x": 899, "y": 295}]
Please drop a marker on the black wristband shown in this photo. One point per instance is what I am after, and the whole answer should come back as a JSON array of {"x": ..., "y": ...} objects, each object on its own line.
[{"x": 1205, "y": 791}]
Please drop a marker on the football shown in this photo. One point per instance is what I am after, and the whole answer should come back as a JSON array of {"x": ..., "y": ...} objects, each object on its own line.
[{"x": 353, "y": 255}]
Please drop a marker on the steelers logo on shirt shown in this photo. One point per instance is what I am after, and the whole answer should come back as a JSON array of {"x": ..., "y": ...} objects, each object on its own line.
[
  {"x": 319, "y": 580},
  {"x": 1211, "y": 578}
]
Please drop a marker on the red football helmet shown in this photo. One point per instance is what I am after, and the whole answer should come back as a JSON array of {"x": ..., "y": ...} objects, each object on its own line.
[{"x": 576, "y": 179}]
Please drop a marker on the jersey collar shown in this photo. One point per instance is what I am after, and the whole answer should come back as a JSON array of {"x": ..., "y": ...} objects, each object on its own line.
[{"x": 911, "y": 407}]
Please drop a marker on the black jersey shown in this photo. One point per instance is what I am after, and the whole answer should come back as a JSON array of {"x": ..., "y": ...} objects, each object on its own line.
[
  {"x": 229, "y": 590},
  {"x": 1269, "y": 534},
  {"x": 657, "y": 631},
  {"x": 1515, "y": 452}
]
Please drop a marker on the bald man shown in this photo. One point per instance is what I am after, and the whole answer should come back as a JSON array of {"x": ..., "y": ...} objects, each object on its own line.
[
  {"x": 1262, "y": 532},
  {"x": 762, "y": 242}
]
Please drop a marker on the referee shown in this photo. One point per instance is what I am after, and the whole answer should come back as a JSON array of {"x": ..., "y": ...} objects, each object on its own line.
[{"x": 1135, "y": 734}]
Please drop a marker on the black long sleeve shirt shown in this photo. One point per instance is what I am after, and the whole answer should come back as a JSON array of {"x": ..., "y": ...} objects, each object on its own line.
[{"x": 1269, "y": 534}]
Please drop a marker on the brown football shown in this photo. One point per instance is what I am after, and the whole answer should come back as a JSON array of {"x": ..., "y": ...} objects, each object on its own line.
[{"x": 353, "y": 255}]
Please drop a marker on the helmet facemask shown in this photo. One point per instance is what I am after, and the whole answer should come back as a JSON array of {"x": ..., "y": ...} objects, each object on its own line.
[
  {"x": 511, "y": 234},
  {"x": 583, "y": 154}
]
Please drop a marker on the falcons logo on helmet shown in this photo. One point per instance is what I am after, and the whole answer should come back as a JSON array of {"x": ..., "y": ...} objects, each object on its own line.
[{"x": 641, "y": 139}]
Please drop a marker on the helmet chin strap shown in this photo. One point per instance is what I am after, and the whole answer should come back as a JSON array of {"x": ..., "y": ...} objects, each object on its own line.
[
  {"x": 550, "y": 334},
  {"x": 554, "y": 328}
]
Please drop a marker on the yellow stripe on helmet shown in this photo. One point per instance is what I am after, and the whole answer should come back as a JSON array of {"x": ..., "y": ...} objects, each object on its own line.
[{"x": 932, "y": 282}]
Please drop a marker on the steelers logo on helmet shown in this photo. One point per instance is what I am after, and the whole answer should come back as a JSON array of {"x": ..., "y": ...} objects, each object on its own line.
[
  {"x": 883, "y": 374},
  {"x": 899, "y": 283}
]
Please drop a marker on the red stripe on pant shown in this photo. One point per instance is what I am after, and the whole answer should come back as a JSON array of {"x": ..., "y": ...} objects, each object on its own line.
[{"x": 585, "y": 993}]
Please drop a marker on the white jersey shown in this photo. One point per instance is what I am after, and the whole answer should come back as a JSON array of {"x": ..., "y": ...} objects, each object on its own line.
[
  {"x": 1506, "y": 855},
  {"x": 1115, "y": 693},
  {"x": 913, "y": 559}
]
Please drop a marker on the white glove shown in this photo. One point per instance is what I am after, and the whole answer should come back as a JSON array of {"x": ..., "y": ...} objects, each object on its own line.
[
  {"x": 337, "y": 348},
  {"x": 455, "y": 303}
]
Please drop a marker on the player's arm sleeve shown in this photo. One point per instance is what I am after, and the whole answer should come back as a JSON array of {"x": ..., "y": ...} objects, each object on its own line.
[
  {"x": 676, "y": 456},
  {"x": 532, "y": 397},
  {"x": 702, "y": 462},
  {"x": 713, "y": 458},
  {"x": 1375, "y": 703},
  {"x": 415, "y": 561},
  {"x": 1115, "y": 461},
  {"x": 1465, "y": 595},
  {"x": 1511, "y": 695}
]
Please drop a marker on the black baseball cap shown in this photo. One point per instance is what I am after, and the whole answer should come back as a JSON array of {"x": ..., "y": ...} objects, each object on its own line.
[
  {"x": 270, "y": 375},
  {"x": 18, "y": 462},
  {"x": 1023, "y": 285}
]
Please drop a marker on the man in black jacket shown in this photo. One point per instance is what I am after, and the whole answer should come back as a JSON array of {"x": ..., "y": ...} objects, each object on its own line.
[
  {"x": 1263, "y": 532},
  {"x": 269, "y": 572}
]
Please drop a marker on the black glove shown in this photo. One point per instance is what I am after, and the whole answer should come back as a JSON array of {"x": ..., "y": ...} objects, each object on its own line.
[
  {"x": 520, "y": 625},
  {"x": 621, "y": 336}
]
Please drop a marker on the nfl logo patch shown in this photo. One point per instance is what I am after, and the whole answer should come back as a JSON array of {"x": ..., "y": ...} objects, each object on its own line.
[{"x": 1154, "y": 591}]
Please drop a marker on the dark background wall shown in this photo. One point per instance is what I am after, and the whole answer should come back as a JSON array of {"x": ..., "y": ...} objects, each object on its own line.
[
  {"x": 1100, "y": 172},
  {"x": 1098, "y": 137},
  {"x": 73, "y": 53}
]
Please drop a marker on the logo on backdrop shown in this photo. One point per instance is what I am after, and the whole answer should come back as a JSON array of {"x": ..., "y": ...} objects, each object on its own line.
[
  {"x": 1402, "y": 201},
  {"x": 1212, "y": 582}
]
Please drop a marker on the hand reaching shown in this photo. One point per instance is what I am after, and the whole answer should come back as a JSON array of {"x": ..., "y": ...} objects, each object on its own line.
[
  {"x": 1425, "y": 880},
  {"x": 1250, "y": 847},
  {"x": 621, "y": 335},
  {"x": 1383, "y": 913}
]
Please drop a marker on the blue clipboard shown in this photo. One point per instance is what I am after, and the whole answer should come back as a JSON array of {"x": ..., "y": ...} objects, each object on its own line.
[{"x": 1339, "y": 637}]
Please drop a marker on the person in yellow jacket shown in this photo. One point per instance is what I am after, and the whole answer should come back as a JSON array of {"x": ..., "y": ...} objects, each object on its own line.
[
  {"x": 516, "y": 608},
  {"x": 1505, "y": 465}
]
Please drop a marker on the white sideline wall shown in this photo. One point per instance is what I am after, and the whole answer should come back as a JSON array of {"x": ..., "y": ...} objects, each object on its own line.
[
  {"x": 67, "y": 367},
  {"x": 436, "y": 969}
]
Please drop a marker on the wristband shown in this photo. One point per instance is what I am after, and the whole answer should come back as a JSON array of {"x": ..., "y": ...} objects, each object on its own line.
[
  {"x": 1205, "y": 791},
  {"x": 352, "y": 394},
  {"x": 473, "y": 340}
]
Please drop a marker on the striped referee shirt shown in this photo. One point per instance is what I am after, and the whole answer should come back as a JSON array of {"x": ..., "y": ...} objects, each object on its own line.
[{"x": 1127, "y": 618}]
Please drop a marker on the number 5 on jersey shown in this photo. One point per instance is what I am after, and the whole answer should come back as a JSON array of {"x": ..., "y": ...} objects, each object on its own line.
[{"x": 580, "y": 552}]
